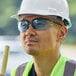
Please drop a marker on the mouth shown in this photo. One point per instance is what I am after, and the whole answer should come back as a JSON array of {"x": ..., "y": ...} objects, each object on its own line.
[{"x": 30, "y": 42}]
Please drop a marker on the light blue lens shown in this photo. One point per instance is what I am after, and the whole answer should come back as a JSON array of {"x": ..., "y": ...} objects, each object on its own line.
[
  {"x": 37, "y": 23},
  {"x": 23, "y": 26},
  {"x": 41, "y": 24}
]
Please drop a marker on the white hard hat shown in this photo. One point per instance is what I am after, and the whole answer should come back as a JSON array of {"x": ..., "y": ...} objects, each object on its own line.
[{"x": 46, "y": 7}]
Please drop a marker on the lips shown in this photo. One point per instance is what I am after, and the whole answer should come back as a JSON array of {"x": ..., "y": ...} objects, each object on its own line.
[{"x": 31, "y": 41}]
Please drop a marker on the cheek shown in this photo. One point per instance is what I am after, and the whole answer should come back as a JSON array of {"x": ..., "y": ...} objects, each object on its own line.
[
  {"x": 48, "y": 39},
  {"x": 45, "y": 40},
  {"x": 22, "y": 37}
]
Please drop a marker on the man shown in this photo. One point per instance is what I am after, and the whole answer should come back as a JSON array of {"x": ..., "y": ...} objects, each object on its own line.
[{"x": 43, "y": 25}]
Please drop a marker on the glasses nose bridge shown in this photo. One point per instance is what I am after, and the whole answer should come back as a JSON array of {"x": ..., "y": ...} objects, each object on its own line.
[
  {"x": 30, "y": 30},
  {"x": 30, "y": 24}
]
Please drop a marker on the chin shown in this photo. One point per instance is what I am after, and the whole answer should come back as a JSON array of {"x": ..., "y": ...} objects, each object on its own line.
[{"x": 31, "y": 51}]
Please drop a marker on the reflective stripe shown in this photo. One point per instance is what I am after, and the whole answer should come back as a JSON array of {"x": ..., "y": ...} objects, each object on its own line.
[
  {"x": 20, "y": 69},
  {"x": 27, "y": 69},
  {"x": 23, "y": 69},
  {"x": 70, "y": 67}
]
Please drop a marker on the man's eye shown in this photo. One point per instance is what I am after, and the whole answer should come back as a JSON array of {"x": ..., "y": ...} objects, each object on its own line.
[
  {"x": 24, "y": 24},
  {"x": 37, "y": 22}
]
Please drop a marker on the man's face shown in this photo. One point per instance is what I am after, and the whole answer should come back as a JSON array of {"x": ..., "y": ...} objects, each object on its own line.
[{"x": 39, "y": 41}]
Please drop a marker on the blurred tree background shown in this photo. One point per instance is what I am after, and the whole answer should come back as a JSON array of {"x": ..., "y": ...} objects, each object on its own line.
[{"x": 8, "y": 26}]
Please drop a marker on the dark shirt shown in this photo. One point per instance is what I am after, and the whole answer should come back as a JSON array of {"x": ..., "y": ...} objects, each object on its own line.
[{"x": 32, "y": 71}]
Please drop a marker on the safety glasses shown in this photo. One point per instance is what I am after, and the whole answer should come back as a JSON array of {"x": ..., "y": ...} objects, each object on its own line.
[{"x": 37, "y": 24}]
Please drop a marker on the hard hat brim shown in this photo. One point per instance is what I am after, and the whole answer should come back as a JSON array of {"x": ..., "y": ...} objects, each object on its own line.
[{"x": 43, "y": 13}]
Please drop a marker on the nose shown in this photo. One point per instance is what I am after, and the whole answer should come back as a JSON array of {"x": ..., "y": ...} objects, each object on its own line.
[{"x": 30, "y": 31}]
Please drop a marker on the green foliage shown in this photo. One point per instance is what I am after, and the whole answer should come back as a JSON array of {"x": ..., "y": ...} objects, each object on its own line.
[
  {"x": 72, "y": 6},
  {"x": 7, "y": 9},
  {"x": 70, "y": 40}
]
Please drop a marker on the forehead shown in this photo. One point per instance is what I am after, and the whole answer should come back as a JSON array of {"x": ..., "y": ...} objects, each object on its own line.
[
  {"x": 31, "y": 17},
  {"x": 36, "y": 16}
]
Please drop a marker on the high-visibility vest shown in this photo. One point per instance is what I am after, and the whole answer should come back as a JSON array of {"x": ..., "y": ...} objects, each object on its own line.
[{"x": 69, "y": 70}]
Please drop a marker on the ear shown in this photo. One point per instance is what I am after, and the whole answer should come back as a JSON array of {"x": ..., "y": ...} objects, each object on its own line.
[{"x": 62, "y": 32}]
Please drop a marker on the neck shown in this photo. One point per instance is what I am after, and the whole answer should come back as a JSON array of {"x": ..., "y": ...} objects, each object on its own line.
[{"x": 44, "y": 64}]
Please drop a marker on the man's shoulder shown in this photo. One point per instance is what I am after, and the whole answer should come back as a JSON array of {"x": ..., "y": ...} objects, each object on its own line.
[
  {"x": 70, "y": 67},
  {"x": 22, "y": 65},
  {"x": 19, "y": 70}
]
